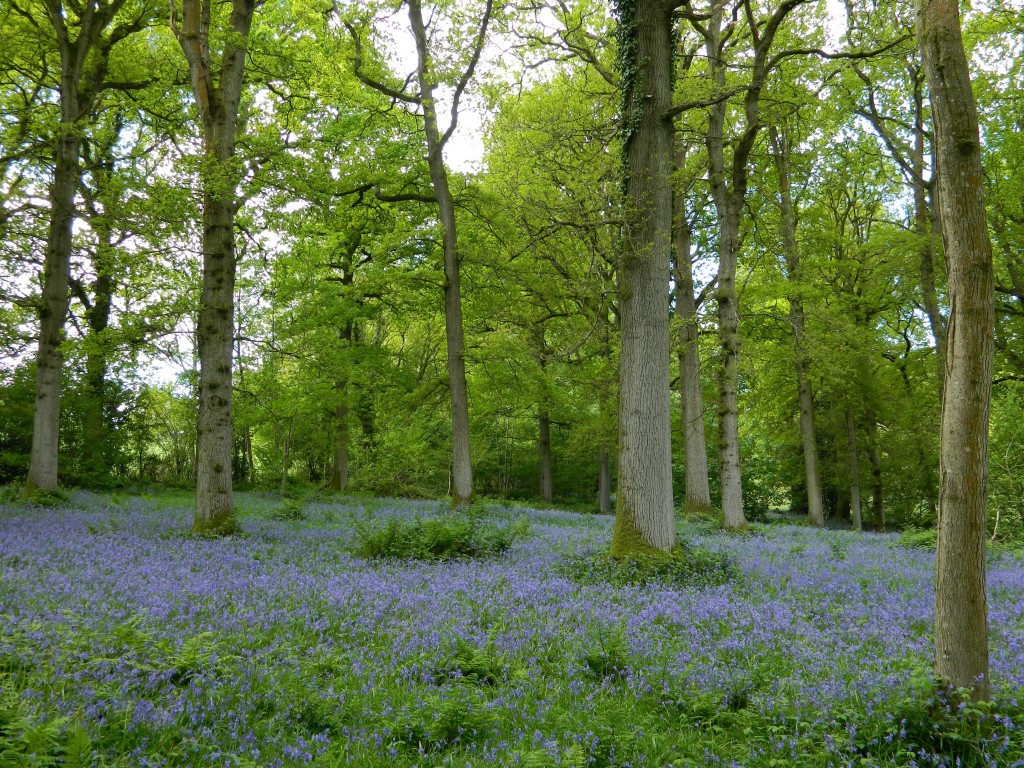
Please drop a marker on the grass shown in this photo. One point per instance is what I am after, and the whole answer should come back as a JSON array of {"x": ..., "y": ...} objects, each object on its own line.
[{"x": 126, "y": 642}]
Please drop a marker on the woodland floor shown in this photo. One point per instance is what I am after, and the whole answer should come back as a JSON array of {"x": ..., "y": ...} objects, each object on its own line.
[{"x": 126, "y": 642}]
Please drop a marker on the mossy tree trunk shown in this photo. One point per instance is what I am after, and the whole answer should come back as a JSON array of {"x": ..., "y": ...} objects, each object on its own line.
[{"x": 644, "y": 514}]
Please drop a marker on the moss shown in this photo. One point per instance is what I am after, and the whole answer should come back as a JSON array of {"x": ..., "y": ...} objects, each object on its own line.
[
  {"x": 224, "y": 525},
  {"x": 627, "y": 540}
]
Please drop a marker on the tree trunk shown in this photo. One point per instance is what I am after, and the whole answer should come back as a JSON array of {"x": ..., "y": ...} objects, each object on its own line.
[
  {"x": 924, "y": 227},
  {"x": 961, "y": 612},
  {"x": 462, "y": 469},
  {"x": 218, "y": 105},
  {"x": 339, "y": 469},
  {"x": 854, "y": 458},
  {"x": 698, "y": 491},
  {"x": 544, "y": 455},
  {"x": 53, "y": 309},
  {"x": 340, "y": 464},
  {"x": 215, "y": 336},
  {"x": 285, "y": 459},
  {"x": 95, "y": 420},
  {"x": 791, "y": 253},
  {"x": 604, "y": 483},
  {"x": 644, "y": 515},
  {"x": 77, "y": 94},
  {"x": 877, "y": 489},
  {"x": 728, "y": 206}
]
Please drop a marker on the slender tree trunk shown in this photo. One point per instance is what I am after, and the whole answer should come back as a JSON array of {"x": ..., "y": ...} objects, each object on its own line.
[
  {"x": 644, "y": 514},
  {"x": 544, "y": 455},
  {"x": 961, "y": 611},
  {"x": 95, "y": 422},
  {"x": 285, "y": 461},
  {"x": 462, "y": 469},
  {"x": 340, "y": 466},
  {"x": 924, "y": 226},
  {"x": 728, "y": 206},
  {"x": 604, "y": 482},
  {"x": 853, "y": 457},
  {"x": 698, "y": 490},
  {"x": 791, "y": 252},
  {"x": 877, "y": 488},
  {"x": 53, "y": 309},
  {"x": 250, "y": 465}
]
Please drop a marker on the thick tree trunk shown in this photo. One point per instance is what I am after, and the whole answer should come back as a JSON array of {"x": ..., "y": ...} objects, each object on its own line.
[
  {"x": 544, "y": 456},
  {"x": 853, "y": 457},
  {"x": 53, "y": 309},
  {"x": 215, "y": 340},
  {"x": 698, "y": 490},
  {"x": 462, "y": 469},
  {"x": 791, "y": 253},
  {"x": 77, "y": 94},
  {"x": 729, "y": 368},
  {"x": 961, "y": 612},
  {"x": 218, "y": 106},
  {"x": 644, "y": 514}
]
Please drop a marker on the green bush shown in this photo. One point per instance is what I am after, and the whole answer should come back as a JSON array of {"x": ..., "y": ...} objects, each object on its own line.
[
  {"x": 688, "y": 566},
  {"x": 452, "y": 536},
  {"x": 937, "y": 720},
  {"x": 919, "y": 538}
]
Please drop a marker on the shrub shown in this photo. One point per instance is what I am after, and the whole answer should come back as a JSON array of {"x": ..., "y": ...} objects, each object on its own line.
[
  {"x": 919, "y": 538},
  {"x": 938, "y": 721},
  {"x": 451, "y": 536},
  {"x": 688, "y": 566}
]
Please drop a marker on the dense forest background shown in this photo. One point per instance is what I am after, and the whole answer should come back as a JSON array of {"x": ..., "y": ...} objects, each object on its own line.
[{"x": 340, "y": 368}]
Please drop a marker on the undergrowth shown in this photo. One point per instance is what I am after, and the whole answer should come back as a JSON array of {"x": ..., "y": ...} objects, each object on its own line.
[
  {"x": 453, "y": 535},
  {"x": 688, "y": 566}
]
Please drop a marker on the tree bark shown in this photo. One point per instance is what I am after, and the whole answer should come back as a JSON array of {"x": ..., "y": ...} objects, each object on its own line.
[
  {"x": 728, "y": 206},
  {"x": 877, "y": 487},
  {"x": 604, "y": 482},
  {"x": 544, "y": 456},
  {"x": 853, "y": 457},
  {"x": 924, "y": 226},
  {"x": 698, "y": 490},
  {"x": 462, "y": 469},
  {"x": 644, "y": 514},
  {"x": 218, "y": 105},
  {"x": 961, "y": 611},
  {"x": 53, "y": 309},
  {"x": 791, "y": 253},
  {"x": 83, "y": 68},
  {"x": 340, "y": 463}
]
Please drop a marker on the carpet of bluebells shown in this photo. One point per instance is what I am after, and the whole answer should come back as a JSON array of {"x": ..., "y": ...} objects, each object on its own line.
[{"x": 140, "y": 645}]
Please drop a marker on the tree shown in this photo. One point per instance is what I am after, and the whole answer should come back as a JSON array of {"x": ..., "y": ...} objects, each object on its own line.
[
  {"x": 428, "y": 80},
  {"x": 782, "y": 147},
  {"x": 84, "y": 64},
  {"x": 644, "y": 514},
  {"x": 217, "y": 86},
  {"x": 961, "y": 617}
]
